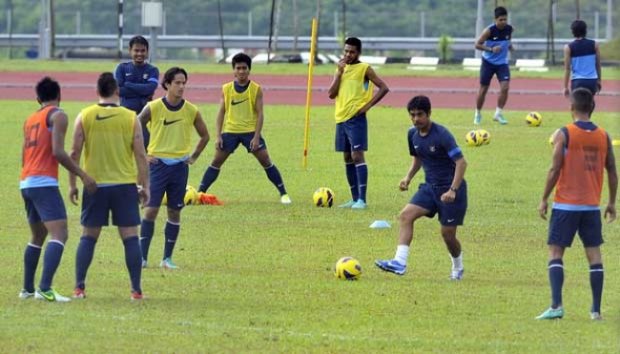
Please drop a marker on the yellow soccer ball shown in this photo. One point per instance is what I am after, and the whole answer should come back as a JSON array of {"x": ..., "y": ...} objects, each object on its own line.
[
  {"x": 348, "y": 268},
  {"x": 533, "y": 119},
  {"x": 485, "y": 136},
  {"x": 191, "y": 196},
  {"x": 473, "y": 138},
  {"x": 323, "y": 197}
]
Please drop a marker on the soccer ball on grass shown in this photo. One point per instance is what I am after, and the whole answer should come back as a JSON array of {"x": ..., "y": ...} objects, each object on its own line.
[
  {"x": 323, "y": 197},
  {"x": 348, "y": 268}
]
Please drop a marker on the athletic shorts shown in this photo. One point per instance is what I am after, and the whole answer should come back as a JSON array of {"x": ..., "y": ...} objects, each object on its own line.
[
  {"x": 450, "y": 214},
  {"x": 352, "y": 134},
  {"x": 487, "y": 70},
  {"x": 43, "y": 204},
  {"x": 564, "y": 224},
  {"x": 168, "y": 179},
  {"x": 232, "y": 140},
  {"x": 121, "y": 200},
  {"x": 589, "y": 84}
]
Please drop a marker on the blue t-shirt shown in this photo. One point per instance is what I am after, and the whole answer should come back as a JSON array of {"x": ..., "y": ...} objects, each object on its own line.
[
  {"x": 438, "y": 151},
  {"x": 583, "y": 59},
  {"x": 496, "y": 38},
  {"x": 137, "y": 84}
]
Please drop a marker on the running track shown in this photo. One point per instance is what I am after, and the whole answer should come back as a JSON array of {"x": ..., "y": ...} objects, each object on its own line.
[{"x": 525, "y": 94}]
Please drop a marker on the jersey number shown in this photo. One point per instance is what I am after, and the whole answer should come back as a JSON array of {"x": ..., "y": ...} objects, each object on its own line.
[{"x": 32, "y": 133}]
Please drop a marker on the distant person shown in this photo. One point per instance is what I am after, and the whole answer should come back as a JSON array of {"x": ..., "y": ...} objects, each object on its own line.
[
  {"x": 353, "y": 90},
  {"x": 43, "y": 150},
  {"x": 581, "y": 151},
  {"x": 582, "y": 61},
  {"x": 444, "y": 192},
  {"x": 240, "y": 121},
  {"x": 172, "y": 120},
  {"x": 495, "y": 42},
  {"x": 111, "y": 138},
  {"x": 137, "y": 79}
]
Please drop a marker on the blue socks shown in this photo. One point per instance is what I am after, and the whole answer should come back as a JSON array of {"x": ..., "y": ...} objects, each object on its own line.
[
  {"x": 274, "y": 176},
  {"x": 133, "y": 261},
  {"x": 171, "y": 233},
  {"x": 146, "y": 235},
  {"x": 362, "y": 180},
  {"x": 83, "y": 258},
  {"x": 31, "y": 260},
  {"x": 556, "y": 279},
  {"x": 596, "y": 283},
  {"x": 51, "y": 260},
  {"x": 208, "y": 178},
  {"x": 352, "y": 179}
]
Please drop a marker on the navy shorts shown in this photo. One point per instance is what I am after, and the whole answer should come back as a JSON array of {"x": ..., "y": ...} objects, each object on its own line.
[
  {"x": 589, "y": 84},
  {"x": 487, "y": 70},
  {"x": 43, "y": 204},
  {"x": 232, "y": 140},
  {"x": 122, "y": 200},
  {"x": 450, "y": 214},
  {"x": 352, "y": 134},
  {"x": 168, "y": 179},
  {"x": 564, "y": 224}
]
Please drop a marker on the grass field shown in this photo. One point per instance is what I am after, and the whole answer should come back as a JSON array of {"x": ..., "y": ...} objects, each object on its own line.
[{"x": 257, "y": 276}]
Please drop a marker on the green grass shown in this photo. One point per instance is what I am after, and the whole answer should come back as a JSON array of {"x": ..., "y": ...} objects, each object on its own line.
[
  {"x": 609, "y": 73},
  {"x": 257, "y": 276}
]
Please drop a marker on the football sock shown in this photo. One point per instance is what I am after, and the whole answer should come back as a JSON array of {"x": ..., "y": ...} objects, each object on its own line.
[
  {"x": 133, "y": 261},
  {"x": 208, "y": 178},
  {"x": 31, "y": 260},
  {"x": 83, "y": 258},
  {"x": 596, "y": 283},
  {"x": 402, "y": 253},
  {"x": 51, "y": 260},
  {"x": 171, "y": 233},
  {"x": 362, "y": 179},
  {"x": 352, "y": 179},
  {"x": 556, "y": 279},
  {"x": 498, "y": 111},
  {"x": 274, "y": 176},
  {"x": 146, "y": 235},
  {"x": 477, "y": 112},
  {"x": 457, "y": 263}
]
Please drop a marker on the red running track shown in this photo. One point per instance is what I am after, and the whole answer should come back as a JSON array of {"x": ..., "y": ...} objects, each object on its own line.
[{"x": 525, "y": 94}]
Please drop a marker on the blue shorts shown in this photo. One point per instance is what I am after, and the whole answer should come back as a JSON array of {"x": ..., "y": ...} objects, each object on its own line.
[
  {"x": 487, "y": 70},
  {"x": 168, "y": 179},
  {"x": 352, "y": 134},
  {"x": 232, "y": 140},
  {"x": 43, "y": 204},
  {"x": 122, "y": 200},
  {"x": 450, "y": 214},
  {"x": 564, "y": 224},
  {"x": 589, "y": 84}
]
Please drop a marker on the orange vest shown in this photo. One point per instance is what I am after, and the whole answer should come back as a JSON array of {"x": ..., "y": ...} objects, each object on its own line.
[
  {"x": 581, "y": 176},
  {"x": 37, "y": 157}
]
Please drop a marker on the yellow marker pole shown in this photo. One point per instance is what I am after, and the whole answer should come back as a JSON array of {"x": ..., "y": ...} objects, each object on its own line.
[{"x": 309, "y": 91}]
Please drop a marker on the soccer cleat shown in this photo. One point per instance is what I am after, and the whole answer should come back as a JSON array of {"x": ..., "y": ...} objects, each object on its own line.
[
  {"x": 51, "y": 295},
  {"x": 477, "y": 119},
  {"x": 551, "y": 314},
  {"x": 392, "y": 266},
  {"x": 500, "y": 118},
  {"x": 596, "y": 316},
  {"x": 285, "y": 199},
  {"x": 347, "y": 204},
  {"x": 135, "y": 295},
  {"x": 457, "y": 274},
  {"x": 79, "y": 293},
  {"x": 25, "y": 294},
  {"x": 360, "y": 204},
  {"x": 168, "y": 264},
  {"x": 144, "y": 263}
]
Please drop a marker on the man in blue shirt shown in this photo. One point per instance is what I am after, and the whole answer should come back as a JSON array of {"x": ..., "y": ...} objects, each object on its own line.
[
  {"x": 582, "y": 61},
  {"x": 445, "y": 192},
  {"x": 494, "y": 42},
  {"x": 137, "y": 79}
]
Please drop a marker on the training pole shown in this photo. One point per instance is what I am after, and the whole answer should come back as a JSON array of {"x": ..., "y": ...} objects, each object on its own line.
[{"x": 309, "y": 91}]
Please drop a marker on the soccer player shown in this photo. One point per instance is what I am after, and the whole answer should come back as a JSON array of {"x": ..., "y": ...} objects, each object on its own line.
[
  {"x": 582, "y": 61},
  {"x": 240, "y": 121},
  {"x": 494, "y": 42},
  {"x": 172, "y": 119},
  {"x": 444, "y": 192},
  {"x": 137, "y": 79},
  {"x": 353, "y": 88},
  {"x": 44, "y": 148},
  {"x": 111, "y": 138},
  {"x": 581, "y": 151}
]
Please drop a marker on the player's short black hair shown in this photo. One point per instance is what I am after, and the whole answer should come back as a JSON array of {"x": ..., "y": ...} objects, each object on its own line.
[
  {"x": 242, "y": 58},
  {"x": 422, "y": 103},
  {"x": 582, "y": 100},
  {"x": 138, "y": 40},
  {"x": 354, "y": 41},
  {"x": 500, "y": 11},
  {"x": 170, "y": 74},
  {"x": 47, "y": 89},
  {"x": 106, "y": 85},
  {"x": 579, "y": 28}
]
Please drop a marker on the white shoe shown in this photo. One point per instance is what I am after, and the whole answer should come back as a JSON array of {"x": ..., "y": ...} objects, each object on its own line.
[
  {"x": 51, "y": 295},
  {"x": 25, "y": 294},
  {"x": 285, "y": 199}
]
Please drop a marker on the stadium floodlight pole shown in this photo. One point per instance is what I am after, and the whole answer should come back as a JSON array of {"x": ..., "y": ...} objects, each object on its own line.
[
  {"x": 313, "y": 39},
  {"x": 479, "y": 26},
  {"x": 273, "y": 8},
  {"x": 221, "y": 26},
  {"x": 609, "y": 27},
  {"x": 120, "y": 29}
]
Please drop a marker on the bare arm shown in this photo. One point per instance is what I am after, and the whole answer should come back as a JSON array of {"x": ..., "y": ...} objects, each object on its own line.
[
  {"x": 335, "y": 86},
  {"x": 258, "y": 106},
  {"x": 76, "y": 153},
  {"x": 612, "y": 181},
  {"x": 554, "y": 172},
  {"x": 598, "y": 67},
  {"x": 203, "y": 132},
  {"x": 141, "y": 163},
  {"x": 567, "y": 68},
  {"x": 416, "y": 164},
  {"x": 219, "y": 123},
  {"x": 459, "y": 172},
  {"x": 145, "y": 116},
  {"x": 480, "y": 42},
  {"x": 383, "y": 90}
]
